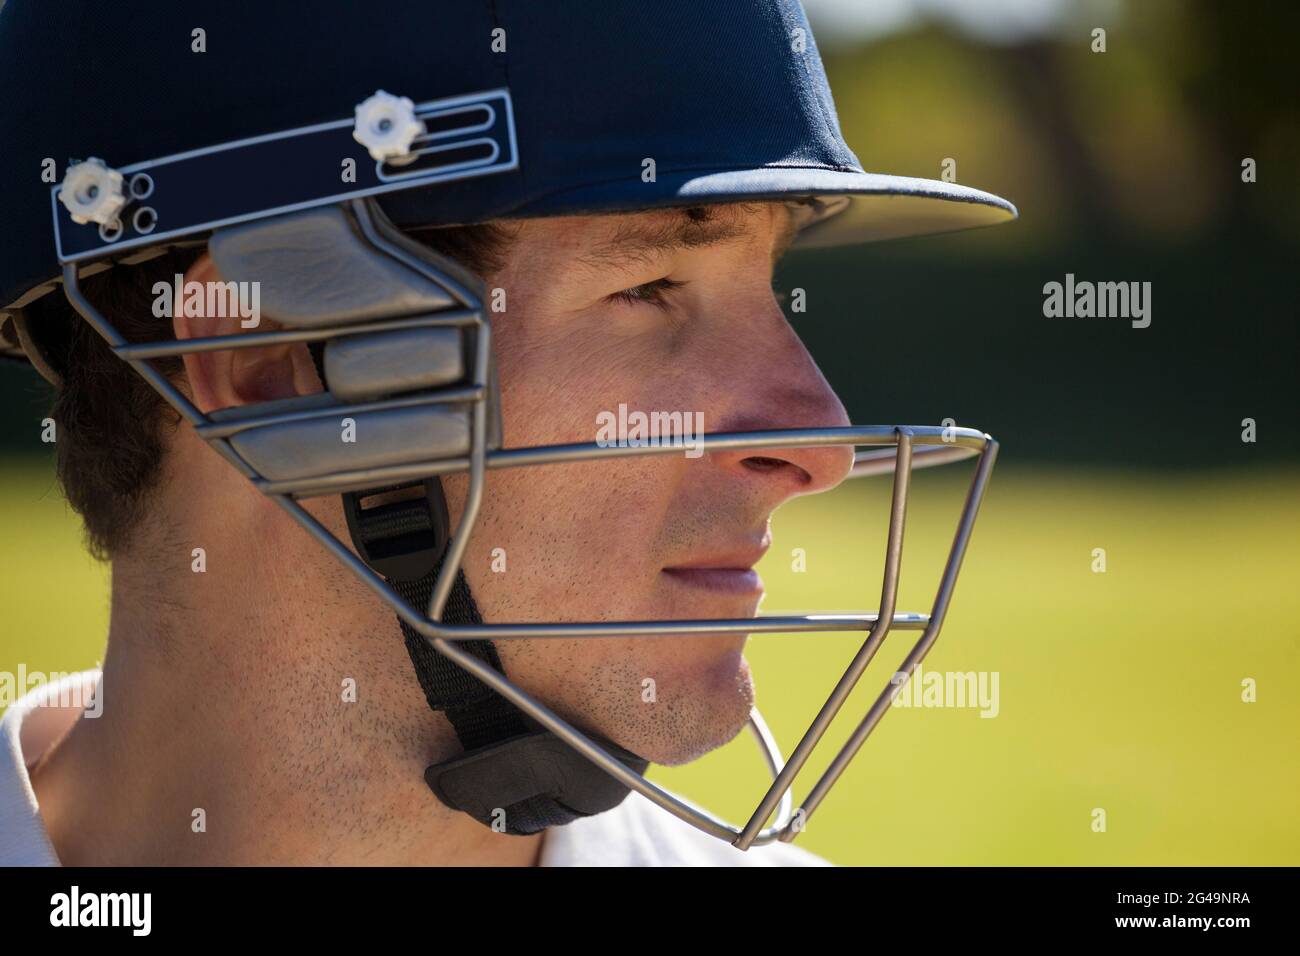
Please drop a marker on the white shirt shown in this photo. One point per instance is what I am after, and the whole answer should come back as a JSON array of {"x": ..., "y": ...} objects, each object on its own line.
[{"x": 635, "y": 833}]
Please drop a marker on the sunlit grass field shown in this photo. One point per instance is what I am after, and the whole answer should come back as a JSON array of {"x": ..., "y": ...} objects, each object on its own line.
[{"x": 1119, "y": 690}]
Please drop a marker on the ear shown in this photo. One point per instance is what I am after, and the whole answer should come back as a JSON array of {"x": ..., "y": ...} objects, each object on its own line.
[{"x": 241, "y": 376}]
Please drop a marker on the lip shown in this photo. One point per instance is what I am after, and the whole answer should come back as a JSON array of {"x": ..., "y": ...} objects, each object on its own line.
[
  {"x": 737, "y": 581},
  {"x": 724, "y": 573}
]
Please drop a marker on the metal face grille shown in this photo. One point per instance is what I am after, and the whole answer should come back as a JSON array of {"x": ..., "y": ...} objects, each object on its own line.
[{"x": 896, "y": 450}]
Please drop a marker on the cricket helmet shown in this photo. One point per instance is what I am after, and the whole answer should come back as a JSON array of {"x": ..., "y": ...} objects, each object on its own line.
[{"x": 301, "y": 144}]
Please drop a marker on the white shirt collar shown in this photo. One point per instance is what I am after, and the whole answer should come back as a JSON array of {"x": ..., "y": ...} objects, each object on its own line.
[
  {"x": 28, "y": 728},
  {"x": 635, "y": 833}
]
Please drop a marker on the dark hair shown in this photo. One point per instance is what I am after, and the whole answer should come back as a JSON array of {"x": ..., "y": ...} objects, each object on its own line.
[{"x": 112, "y": 426}]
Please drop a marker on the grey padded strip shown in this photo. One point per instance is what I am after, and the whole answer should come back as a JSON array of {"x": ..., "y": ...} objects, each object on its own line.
[
  {"x": 469, "y": 281},
  {"x": 315, "y": 271},
  {"x": 362, "y": 367},
  {"x": 275, "y": 406},
  {"x": 315, "y": 447}
]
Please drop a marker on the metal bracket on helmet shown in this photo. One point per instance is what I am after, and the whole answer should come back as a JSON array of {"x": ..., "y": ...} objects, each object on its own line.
[
  {"x": 463, "y": 137},
  {"x": 440, "y": 415}
]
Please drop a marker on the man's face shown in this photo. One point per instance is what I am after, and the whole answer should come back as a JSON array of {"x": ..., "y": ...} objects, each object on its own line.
[{"x": 661, "y": 312}]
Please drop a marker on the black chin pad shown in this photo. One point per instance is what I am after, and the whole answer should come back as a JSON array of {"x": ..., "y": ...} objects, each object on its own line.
[{"x": 529, "y": 783}]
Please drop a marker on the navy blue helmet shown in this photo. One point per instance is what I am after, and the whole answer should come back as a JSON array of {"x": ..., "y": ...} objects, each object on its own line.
[
  {"x": 612, "y": 106},
  {"x": 302, "y": 142}
]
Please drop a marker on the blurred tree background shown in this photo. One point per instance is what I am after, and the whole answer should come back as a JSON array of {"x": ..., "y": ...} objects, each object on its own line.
[{"x": 1126, "y": 166}]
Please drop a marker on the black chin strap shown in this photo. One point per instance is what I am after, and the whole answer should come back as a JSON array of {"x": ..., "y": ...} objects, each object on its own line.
[
  {"x": 404, "y": 540},
  {"x": 479, "y": 714},
  {"x": 513, "y": 776}
]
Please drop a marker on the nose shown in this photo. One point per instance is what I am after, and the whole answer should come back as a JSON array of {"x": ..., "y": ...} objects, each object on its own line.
[{"x": 786, "y": 390}]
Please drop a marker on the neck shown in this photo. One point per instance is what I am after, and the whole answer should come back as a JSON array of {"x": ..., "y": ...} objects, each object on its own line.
[{"x": 261, "y": 712}]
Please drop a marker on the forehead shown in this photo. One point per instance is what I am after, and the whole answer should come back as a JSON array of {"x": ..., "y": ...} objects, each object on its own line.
[{"x": 618, "y": 239}]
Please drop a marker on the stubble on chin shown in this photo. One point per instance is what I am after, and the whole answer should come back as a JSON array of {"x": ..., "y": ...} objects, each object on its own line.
[{"x": 681, "y": 716}]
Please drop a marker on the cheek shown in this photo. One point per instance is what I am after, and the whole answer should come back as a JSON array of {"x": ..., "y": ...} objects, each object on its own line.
[
  {"x": 584, "y": 541},
  {"x": 554, "y": 394},
  {"x": 569, "y": 542}
]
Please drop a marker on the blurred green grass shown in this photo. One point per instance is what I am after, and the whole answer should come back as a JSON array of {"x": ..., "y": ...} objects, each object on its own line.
[{"x": 1119, "y": 690}]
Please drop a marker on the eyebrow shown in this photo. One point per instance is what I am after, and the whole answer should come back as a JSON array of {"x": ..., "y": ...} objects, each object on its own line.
[{"x": 640, "y": 241}]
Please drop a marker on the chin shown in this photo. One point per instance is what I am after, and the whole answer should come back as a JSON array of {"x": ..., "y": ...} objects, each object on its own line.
[{"x": 701, "y": 709}]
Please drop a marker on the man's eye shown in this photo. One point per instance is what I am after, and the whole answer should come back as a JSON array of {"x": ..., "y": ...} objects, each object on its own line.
[{"x": 656, "y": 293}]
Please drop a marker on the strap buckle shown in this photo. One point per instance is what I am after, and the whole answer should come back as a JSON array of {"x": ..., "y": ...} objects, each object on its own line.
[{"x": 404, "y": 539}]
